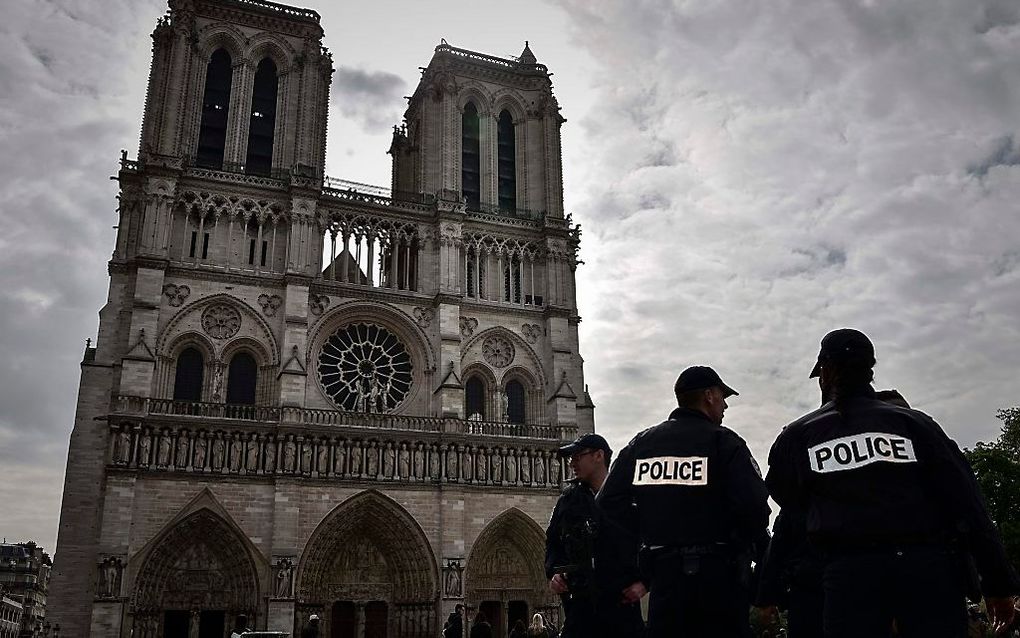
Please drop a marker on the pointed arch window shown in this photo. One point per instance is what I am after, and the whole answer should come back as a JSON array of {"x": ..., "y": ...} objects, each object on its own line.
[
  {"x": 263, "y": 120},
  {"x": 506, "y": 156},
  {"x": 515, "y": 403},
  {"x": 188, "y": 376},
  {"x": 242, "y": 378},
  {"x": 212, "y": 135},
  {"x": 470, "y": 157},
  {"x": 474, "y": 398}
]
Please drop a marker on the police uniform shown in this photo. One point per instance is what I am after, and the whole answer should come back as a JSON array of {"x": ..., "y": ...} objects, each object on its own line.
[
  {"x": 884, "y": 493},
  {"x": 599, "y": 557},
  {"x": 698, "y": 505}
]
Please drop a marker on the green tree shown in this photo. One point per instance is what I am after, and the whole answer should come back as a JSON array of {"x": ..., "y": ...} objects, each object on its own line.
[{"x": 997, "y": 468}]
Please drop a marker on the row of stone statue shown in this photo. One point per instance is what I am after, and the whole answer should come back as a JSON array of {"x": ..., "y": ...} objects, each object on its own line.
[{"x": 252, "y": 453}]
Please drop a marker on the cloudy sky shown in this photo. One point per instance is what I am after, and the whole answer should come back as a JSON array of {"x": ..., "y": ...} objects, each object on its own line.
[{"x": 748, "y": 176}]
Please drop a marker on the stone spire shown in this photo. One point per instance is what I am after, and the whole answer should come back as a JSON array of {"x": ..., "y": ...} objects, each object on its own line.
[{"x": 527, "y": 57}]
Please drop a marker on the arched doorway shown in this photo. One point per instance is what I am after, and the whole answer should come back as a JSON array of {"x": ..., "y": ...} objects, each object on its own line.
[
  {"x": 196, "y": 578},
  {"x": 369, "y": 572},
  {"x": 505, "y": 575}
]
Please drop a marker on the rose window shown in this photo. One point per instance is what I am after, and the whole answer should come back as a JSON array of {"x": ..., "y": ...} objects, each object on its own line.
[
  {"x": 221, "y": 321},
  {"x": 364, "y": 368},
  {"x": 498, "y": 351}
]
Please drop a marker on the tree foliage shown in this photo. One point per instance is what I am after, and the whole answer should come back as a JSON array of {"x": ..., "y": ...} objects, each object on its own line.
[{"x": 997, "y": 468}]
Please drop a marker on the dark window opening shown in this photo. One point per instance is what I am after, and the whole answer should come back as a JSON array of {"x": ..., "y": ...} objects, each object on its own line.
[
  {"x": 265, "y": 249},
  {"x": 506, "y": 168},
  {"x": 515, "y": 401},
  {"x": 242, "y": 378},
  {"x": 474, "y": 398},
  {"x": 194, "y": 241},
  {"x": 212, "y": 135},
  {"x": 188, "y": 376},
  {"x": 512, "y": 281},
  {"x": 205, "y": 246},
  {"x": 263, "y": 120},
  {"x": 251, "y": 252},
  {"x": 470, "y": 157}
]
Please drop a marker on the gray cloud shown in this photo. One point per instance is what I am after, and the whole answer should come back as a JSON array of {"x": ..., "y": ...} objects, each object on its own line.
[
  {"x": 829, "y": 164},
  {"x": 373, "y": 99}
]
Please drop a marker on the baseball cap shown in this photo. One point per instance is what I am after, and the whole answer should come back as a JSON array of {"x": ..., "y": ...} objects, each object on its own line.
[
  {"x": 701, "y": 378},
  {"x": 586, "y": 442},
  {"x": 845, "y": 346}
]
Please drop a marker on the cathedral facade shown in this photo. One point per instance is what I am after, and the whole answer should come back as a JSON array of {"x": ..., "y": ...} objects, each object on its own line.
[{"x": 311, "y": 396}]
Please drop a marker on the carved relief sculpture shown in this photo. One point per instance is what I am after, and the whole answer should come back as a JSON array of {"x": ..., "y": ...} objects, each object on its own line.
[
  {"x": 200, "y": 451},
  {"x": 251, "y": 461},
  {"x": 109, "y": 577},
  {"x": 221, "y": 321},
  {"x": 289, "y": 455},
  {"x": 424, "y": 316},
  {"x": 218, "y": 451},
  {"x": 389, "y": 460},
  {"x": 163, "y": 460},
  {"x": 468, "y": 326},
  {"x": 284, "y": 578},
  {"x": 453, "y": 578},
  {"x": 270, "y": 304},
  {"x": 317, "y": 304},
  {"x": 176, "y": 294},
  {"x": 181, "y": 458},
  {"x": 143, "y": 447},
  {"x": 322, "y": 456},
  {"x": 269, "y": 456},
  {"x": 532, "y": 332}
]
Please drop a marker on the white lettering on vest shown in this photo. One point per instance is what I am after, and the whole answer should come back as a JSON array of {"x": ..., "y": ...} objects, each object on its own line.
[
  {"x": 671, "y": 470},
  {"x": 851, "y": 452}
]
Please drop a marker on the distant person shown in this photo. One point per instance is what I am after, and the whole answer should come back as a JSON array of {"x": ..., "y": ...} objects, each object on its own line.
[
  {"x": 537, "y": 628},
  {"x": 312, "y": 630},
  {"x": 240, "y": 626},
  {"x": 691, "y": 491},
  {"x": 885, "y": 492},
  {"x": 454, "y": 627},
  {"x": 481, "y": 627},
  {"x": 519, "y": 630}
]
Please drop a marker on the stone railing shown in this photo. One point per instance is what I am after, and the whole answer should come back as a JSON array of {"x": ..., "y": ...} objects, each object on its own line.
[
  {"x": 491, "y": 59},
  {"x": 298, "y": 416},
  {"x": 402, "y": 457},
  {"x": 293, "y": 12}
]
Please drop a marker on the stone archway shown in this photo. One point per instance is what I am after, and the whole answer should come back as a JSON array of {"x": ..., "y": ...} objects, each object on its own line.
[
  {"x": 505, "y": 574},
  {"x": 368, "y": 570},
  {"x": 194, "y": 580}
]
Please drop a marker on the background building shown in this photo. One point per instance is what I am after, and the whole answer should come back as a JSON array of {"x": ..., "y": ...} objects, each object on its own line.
[
  {"x": 314, "y": 396},
  {"x": 24, "y": 579}
]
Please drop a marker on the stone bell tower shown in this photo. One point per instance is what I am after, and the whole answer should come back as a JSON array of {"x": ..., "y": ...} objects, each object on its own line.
[{"x": 310, "y": 395}]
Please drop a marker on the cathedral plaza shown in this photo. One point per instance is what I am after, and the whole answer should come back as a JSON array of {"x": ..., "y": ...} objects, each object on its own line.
[{"x": 313, "y": 396}]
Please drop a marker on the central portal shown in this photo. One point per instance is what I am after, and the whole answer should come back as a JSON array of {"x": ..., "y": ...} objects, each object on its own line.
[{"x": 359, "y": 620}]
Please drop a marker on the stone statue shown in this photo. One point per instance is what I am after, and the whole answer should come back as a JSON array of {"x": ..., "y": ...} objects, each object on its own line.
[
  {"x": 434, "y": 462},
  {"x": 284, "y": 578},
  {"x": 322, "y": 457},
  {"x": 419, "y": 461},
  {"x": 497, "y": 466},
  {"x": 251, "y": 461},
  {"x": 554, "y": 469},
  {"x": 540, "y": 469},
  {"x": 109, "y": 578},
  {"x": 373, "y": 394},
  {"x": 144, "y": 441},
  {"x": 389, "y": 460},
  {"x": 163, "y": 458},
  {"x": 525, "y": 467},
  {"x": 511, "y": 467},
  {"x": 363, "y": 397},
  {"x": 289, "y": 455},
  {"x": 200, "y": 449},
  {"x": 404, "y": 461},
  {"x": 504, "y": 402},
  {"x": 235, "y": 454},
  {"x": 306, "y": 457},
  {"x": 356, "y": 458},
  {"x": 218, "y": 450},
  {"x": 340, "y": 458},
  {"x": 217, "y": 380},
  {"x": 481, "y": 465},
  {"x": 122, "y": 446},
  {"x": 451, "y": 463},
  {"x": 182, "y": 449},
  {"x": 269, "y": 456},
  {"x": 467, "y": 464},
  {"x": 372, "y": 460}
]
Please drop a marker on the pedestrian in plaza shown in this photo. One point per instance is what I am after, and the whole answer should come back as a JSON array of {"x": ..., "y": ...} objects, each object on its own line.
[
  {"x": 692, "y": 494},
  {"x": 591, "y": 561},
  {"x": 481, "y": 628},
  {"x": 887, "y": 498}
]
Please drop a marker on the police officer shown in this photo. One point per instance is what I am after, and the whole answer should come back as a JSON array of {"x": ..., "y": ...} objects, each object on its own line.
[
  {"x": 699, "y": 508},
  {"x": 884, "y": 492},
  {"x": 590, "y": 561}
]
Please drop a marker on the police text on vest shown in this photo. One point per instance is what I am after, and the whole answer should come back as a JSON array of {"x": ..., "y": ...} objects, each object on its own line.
[
  {"x": 671, "y": 470},
  {"x": 850, "y": 452}
]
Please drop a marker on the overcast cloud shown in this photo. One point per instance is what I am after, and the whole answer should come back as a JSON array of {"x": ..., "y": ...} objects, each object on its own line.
[{"x": 748, "y": 176}]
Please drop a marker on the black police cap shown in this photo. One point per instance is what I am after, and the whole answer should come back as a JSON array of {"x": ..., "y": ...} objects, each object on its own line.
[
  {"x": 701, "y": 378},
  {"x": 843, "y": 347},
  {"x": 586, "y": 442}
]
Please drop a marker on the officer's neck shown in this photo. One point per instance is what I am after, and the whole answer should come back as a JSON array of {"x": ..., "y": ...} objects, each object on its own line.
[{"x": 597, "y": 479}]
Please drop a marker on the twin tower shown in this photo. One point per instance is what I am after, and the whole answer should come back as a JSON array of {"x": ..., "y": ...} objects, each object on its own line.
[{"x": 311, "y": 396}]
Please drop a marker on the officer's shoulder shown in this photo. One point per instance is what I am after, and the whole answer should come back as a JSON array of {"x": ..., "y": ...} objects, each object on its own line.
[
  {"x": 570, "y": 487},
  {"x": 648, "y": 433},
  {"x": 807, "y": 420},
  {"x": 729, "y": 437}
]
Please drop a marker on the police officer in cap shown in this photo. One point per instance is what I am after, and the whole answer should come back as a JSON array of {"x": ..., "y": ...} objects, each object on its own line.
[
  {"x": 699, "y": 508},
  {"x": 590, "y": 561},
  {"x": 885, "y": 493}
]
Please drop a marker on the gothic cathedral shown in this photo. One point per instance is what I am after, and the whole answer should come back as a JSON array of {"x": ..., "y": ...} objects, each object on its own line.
[{"x": 311, "y": 396}]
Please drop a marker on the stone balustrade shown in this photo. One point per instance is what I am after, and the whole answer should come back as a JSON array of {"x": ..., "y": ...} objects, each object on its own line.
[{"x": 286, "y": 451}]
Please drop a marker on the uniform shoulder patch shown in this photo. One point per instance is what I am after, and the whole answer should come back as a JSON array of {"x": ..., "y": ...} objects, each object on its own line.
[
  {"x": 671, "y": 470},
  {"x": 859, "y": 450}
]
